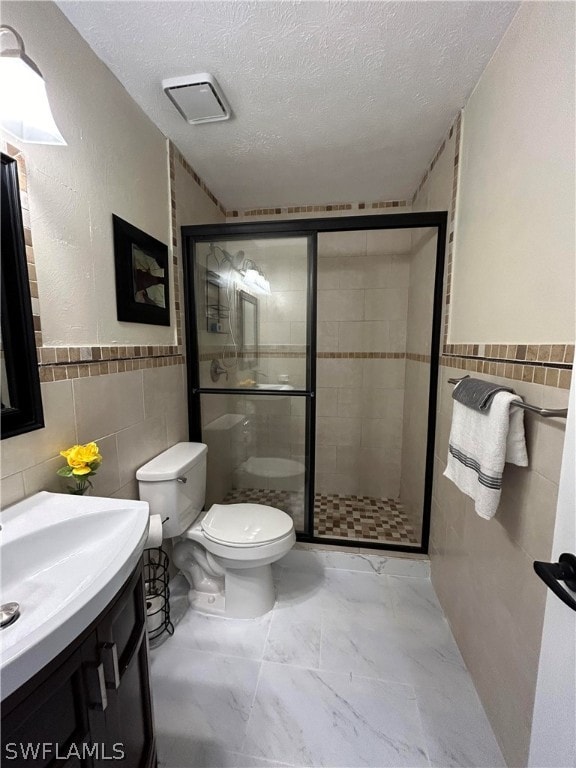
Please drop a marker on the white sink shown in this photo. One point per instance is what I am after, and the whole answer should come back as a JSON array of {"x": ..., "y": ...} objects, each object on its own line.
[{"x": 63, "y": 558}]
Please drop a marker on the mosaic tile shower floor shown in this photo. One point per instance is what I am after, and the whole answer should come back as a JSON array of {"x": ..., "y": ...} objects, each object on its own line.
[{"x": 340, "y": 517}]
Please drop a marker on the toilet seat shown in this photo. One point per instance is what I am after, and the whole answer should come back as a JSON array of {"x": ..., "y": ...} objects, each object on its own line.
[{"x": 246, "y": 525}]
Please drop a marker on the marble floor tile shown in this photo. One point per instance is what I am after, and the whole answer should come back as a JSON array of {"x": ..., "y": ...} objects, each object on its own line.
[
  {"x": 245, "y": 761},
  {"x": 371, "y": 649},
  {"x": 231, "y": 637},
  {"x": 355, "y": 666},
  {"x": 456, "y": 729},
  {"x": 201, "y": 700},
  {"x": 294, "y": 640},
  {"x": 309, "y": 718},
  {"x": 356, "y": 595},
  {"x": 415, "y": 602}
]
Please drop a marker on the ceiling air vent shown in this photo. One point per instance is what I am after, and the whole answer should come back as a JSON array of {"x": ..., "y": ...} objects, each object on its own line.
[{"x": 198, "y": 98}]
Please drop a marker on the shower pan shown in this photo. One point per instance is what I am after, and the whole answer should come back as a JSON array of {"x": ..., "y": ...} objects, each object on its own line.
[{"x": 312, "y": 353}]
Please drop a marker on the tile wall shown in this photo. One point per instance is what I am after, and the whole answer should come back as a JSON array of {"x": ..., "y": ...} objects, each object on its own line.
[{"x": 363, "y": 283}]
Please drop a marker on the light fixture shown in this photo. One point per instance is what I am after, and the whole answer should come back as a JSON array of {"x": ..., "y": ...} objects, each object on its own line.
[
  {"x": 254, "y": 277},
  {"x": 198, "y": 98},
  {"x": 250, "y": 273},
  {"x": 24, "y": 109}
]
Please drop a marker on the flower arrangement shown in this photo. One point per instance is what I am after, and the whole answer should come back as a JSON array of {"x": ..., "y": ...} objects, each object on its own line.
[{"x": 82, "y": 462}]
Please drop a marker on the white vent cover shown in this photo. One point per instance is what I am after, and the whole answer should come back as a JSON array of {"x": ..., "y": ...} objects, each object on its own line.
[{"x": 198, "y": 98}]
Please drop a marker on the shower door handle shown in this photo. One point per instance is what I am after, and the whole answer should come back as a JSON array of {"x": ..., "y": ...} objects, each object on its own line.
[{"x": 553, "y": 573}]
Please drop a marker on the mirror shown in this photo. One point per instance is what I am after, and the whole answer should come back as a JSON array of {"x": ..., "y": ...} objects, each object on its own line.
[
  {"x": 21, "y": 403},
  {"x": 248, "y": 313}
]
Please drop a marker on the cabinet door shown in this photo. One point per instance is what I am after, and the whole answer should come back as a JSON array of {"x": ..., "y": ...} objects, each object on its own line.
[
  {"x": 50, "y": 726},
  {"x": 123, "y": 651}
]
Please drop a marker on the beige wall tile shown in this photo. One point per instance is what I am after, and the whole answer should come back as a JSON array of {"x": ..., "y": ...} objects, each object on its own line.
[
  {"x": 325, "y": 459},
  {"x": 366, "y": 337},
  {"x": 138, "y": 444},
  {"x": 298, "y": 331},
  {"x": 329, "y": 272},
  {"x": 24, "y": 451},
  {"x": 43, "y": 477},
  {"x": 128, "y": 491},
  {"x": 275, "y": 333},
  {"x": 12, "y": 489},
  {"x": 341, "y": 305},
  {"x": 163, "y": 388},
  {"x": 120, "y": 399},
  {"x": 350, "y": 402},
  {"x": 388, "y": 241},
  {"x": 385, "y": 374},
  {"x": 342, "y": 243},
  {"x": 327, "y": 401},
  {"x": 347, "y": 373},
  {"x": 327, "y": 336},
  {"x": 332, "y": 430},
  {"x": 386, "y": 304}
]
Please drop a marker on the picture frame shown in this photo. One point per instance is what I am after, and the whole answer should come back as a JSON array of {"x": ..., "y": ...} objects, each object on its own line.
[{"x": 142, "y": 275}]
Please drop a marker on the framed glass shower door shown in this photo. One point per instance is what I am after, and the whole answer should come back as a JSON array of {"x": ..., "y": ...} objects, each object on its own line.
[{"x": 250, "y": 318}]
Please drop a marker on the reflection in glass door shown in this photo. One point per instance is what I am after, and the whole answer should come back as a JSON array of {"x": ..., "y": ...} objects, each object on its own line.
[{"x": 253, "y": 377}]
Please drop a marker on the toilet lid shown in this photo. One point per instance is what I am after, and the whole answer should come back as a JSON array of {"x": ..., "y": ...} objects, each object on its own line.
[{"x": 246, "y": 523}]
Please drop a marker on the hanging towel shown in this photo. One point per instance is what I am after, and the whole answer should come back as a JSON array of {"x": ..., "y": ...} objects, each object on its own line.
[
  {"x": 476, "y": 393},
  {"x": 480, "y": 443}
]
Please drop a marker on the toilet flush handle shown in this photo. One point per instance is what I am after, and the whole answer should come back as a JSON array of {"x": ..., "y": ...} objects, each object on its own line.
[{"x": 182, "y": 479}]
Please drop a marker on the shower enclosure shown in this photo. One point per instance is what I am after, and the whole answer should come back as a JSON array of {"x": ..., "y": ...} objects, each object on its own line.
[{"x": 312, "y": 352}]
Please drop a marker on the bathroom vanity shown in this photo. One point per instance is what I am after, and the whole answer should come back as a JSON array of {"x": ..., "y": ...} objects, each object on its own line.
[
  {"x": 92, "y": 703},
  {"x": 75, "y": 674}
]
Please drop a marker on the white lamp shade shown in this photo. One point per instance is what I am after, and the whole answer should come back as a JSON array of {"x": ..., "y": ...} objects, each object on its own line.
[{"x": 24, "y": 109}]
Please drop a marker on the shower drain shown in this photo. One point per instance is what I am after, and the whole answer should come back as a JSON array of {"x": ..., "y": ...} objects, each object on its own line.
[{"x": 9, "y": 613}]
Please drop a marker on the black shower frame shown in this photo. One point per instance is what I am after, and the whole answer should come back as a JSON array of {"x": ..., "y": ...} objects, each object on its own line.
[{"x": 310, "y": 228}]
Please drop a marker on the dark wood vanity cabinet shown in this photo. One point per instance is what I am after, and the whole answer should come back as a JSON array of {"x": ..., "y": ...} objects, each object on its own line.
[{"x": 91, "y": 706}]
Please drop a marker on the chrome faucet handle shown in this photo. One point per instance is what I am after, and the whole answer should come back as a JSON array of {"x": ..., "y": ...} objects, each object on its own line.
[{"x": 216, "y": 370}]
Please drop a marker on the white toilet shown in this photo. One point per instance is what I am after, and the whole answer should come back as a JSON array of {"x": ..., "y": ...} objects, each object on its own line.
[{"x": 225, "y": 553}]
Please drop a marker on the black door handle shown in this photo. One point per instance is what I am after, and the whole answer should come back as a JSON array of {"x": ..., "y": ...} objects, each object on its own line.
[{"x": 553, "y": 573}]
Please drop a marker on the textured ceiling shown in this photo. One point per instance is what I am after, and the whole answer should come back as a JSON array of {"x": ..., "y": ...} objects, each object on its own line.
[{"x": 332, "y": 101}]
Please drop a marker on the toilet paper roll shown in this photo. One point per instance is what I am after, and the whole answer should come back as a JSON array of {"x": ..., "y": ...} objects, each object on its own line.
[{"x": 154, "y": 532}]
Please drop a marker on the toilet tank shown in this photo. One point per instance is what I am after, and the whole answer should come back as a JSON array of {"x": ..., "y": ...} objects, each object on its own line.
[{"x": 174, "y": 485}]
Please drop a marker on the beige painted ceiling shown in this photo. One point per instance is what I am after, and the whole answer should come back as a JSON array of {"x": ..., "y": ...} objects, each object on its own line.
[{"x": 332, "y": 101}]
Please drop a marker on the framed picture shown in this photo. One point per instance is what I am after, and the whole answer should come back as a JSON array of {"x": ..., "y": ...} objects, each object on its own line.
[{"x": 142, "y": 282}]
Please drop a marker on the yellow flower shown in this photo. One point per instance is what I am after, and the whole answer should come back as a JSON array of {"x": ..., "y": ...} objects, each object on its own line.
[
  {"x": 80, "y": 455},
  {"x": 82, "y": 470}
]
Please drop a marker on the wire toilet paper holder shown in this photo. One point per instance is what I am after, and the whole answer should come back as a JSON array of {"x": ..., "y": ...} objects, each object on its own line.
[{"x": 157, "y": 595}]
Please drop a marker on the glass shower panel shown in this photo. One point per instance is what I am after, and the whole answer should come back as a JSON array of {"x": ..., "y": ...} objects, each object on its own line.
[
  {"x": 375, "y": 311},
  {"x": 256, "y": 450},
  {"x": 251, "y": 312}
]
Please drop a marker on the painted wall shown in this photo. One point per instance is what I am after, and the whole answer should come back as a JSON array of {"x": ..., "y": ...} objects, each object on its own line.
[
  {"x": 513, "y": 280},
  {"x": 137, "y": 413},
  {"x": 115, "y": 162},
  {"x": 515, "y": 234}
]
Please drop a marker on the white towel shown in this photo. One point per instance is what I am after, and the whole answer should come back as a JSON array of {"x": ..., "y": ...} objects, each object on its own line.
[{"x": 480, "y": 444}]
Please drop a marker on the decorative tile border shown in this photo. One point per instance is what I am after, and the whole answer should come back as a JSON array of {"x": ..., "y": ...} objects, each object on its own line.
[
  {"x": 536, "y": 373},
  {"x": 555, "y": 355},
  {"x": 548, "y": 364},
  {"x": 17, "y": 154},
  {"x": 418, "y": 358},
  {"x": 179, "y": 157},
  {"x": 282, "y": 211},
  {"x": 62, "y": 371}
]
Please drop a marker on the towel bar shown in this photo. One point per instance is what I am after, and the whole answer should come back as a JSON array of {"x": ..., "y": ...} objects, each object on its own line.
[{"x": 546, "y": 412}]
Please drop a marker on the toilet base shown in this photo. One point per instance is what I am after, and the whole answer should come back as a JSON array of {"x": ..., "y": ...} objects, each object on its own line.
[{"x": 248, "y": 593}]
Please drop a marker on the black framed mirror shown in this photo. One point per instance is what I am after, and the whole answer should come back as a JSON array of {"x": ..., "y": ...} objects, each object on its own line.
[{"x": 21, "y": 401}]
